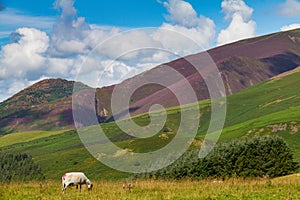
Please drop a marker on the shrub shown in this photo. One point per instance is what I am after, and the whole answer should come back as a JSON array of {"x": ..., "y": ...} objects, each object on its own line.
[
  {"x": 256, "y": 157},
  {"x": 19, "y": 167}
]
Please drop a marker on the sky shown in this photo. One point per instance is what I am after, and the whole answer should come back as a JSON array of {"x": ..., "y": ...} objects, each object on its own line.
[{"x": 104, "y": 42}]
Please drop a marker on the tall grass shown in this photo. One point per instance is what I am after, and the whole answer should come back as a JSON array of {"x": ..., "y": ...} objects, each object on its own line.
[{"x": 283, "y": 188}]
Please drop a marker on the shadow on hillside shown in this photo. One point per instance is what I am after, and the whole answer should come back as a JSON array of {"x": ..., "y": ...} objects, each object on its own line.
[{"x": 283, "y": 62}]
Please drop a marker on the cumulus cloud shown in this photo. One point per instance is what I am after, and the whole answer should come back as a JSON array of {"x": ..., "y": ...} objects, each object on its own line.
[
  {"x": 236, "y": 7},
  {"x": 116, "y": 71},
  {"x": 184, "y": 19},
  {"x": 241, "y": 25},
  {"x": 25, "y": 55},
  {"x": 290, "y": 27},
  {"x": 127, "y": 42},
  {"x": 59, "y": 66},
  {"x": 178, "y": 38},
  {"x": 181, "y": 13},
  {"x": 67, "y": 37},
  {"x": 290, "y": 8}
]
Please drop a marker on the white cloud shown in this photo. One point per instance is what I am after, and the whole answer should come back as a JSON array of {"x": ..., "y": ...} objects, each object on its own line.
[
  {"x": 72, "y": 47},
  {"x": 237, "y": 30},
  {"x": 236, "y": 7},
  {"x": 115, "y": 71},
  {"x": 290, "y": 27},
  {"x": 181, "y": 13},
  {"x": 99, "y": 34},
  {"x": 178, "y": 38},
  {"x": 59, "y": 66},
  {"x": 184, "y": 19},
  {"x": 127, "y": 42},
  {"x": 67, "y": 8},
  {"x": 241, "y": 25},
  {"x": 291, "y": 8},
  {"x": 25, "y": 55},
  {"x": 157, "y": 57},
  {"x": 68, "y": 34}
]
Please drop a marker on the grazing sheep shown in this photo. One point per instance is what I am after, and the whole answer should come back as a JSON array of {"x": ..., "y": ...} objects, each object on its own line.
[{"x": 75, "y": 179}]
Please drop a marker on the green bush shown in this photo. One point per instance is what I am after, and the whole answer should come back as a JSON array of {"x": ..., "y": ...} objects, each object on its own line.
[
  {"x": 256, "y": 157},
  {"x": 19, "y": 167}
]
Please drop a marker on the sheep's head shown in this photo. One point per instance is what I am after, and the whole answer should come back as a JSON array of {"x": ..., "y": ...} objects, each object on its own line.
[{"x": 90, "y": 187}]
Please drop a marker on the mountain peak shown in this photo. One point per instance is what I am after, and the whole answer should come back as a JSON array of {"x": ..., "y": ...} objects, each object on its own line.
[
  {"x": 41, "y": 92},
  {"x": 47, "y": 100}
]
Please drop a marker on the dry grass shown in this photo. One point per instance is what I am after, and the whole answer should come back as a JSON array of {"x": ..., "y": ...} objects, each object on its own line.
[{"x": 285, "y": 188}]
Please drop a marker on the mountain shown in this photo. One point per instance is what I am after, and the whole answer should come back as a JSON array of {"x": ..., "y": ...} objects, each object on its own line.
[{"x": 47, "y": 105}]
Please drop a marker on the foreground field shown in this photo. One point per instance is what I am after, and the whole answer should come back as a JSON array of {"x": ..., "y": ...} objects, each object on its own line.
[{"x": 280, "y": 188}]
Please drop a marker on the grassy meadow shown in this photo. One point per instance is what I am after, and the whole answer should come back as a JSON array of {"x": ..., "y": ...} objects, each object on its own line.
[{"x": 280, "y": 188}]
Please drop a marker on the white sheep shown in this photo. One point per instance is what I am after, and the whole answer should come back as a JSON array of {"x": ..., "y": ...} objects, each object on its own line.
[{"x": 75, "y": 179}]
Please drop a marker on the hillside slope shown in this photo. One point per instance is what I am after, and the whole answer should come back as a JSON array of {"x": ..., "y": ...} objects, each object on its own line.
[
  {"x": 268, "y": 108},
  {"x": 242, "y": 64}
]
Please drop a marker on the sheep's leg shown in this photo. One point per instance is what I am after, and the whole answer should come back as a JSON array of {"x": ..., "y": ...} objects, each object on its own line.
[
  {"x": 64, "y": 188},
  {"x": 76, "y": 187},
  {"x": 80, "y": 187}
]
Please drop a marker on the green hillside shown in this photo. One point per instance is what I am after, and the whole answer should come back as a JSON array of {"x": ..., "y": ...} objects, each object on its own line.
[{"x": 271, "y": 107}]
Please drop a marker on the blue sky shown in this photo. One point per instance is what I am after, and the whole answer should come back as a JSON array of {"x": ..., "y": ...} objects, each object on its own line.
[
  {"x": 137, "y": 13},
  {"x": 49, "y": 38}
]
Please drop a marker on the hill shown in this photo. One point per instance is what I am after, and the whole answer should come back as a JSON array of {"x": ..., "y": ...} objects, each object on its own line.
[
  {"x": 268, "y": 108},
  {"x": 47, "y": 105}
]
